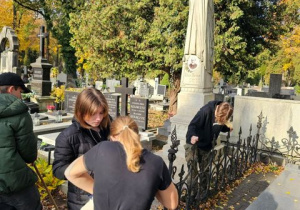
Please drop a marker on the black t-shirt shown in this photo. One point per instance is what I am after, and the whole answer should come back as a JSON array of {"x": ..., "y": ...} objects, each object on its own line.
[{"x": 118, "y": 188}]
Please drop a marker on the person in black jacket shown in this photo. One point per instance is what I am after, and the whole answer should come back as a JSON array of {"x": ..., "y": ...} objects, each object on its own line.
[
  {"x": 206, "y": 126},
  {"x": 91, "y": 125},
  {"x": 126, "y": 176}
]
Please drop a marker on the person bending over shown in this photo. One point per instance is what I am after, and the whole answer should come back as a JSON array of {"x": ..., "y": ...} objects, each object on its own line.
[
  {"x": 206, "y": 126},
  {"x": 126, "y": 176}
]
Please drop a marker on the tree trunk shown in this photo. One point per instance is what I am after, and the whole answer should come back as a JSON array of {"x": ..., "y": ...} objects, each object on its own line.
[{"x": 174, "y": 96}]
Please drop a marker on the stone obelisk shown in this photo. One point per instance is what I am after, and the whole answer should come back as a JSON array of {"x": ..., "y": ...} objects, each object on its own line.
[{"x": 196, "y": 77}]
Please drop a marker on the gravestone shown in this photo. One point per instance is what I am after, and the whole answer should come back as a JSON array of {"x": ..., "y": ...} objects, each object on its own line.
[
  {"x": 99, "y": 85},
  {"x": 41, "y": 83},
  {"x": 9, "y": 50},
  {"x": 62, "y": 79},
  {"x": 166, "y": 129},
  {"x": 219, "y": 97},
  {"x": 139, "y": 111},
  {"x": 287, "y": 91},
  {"x": 113, "y": 101},
  {"x": 125, "y": 92},
  {"x": 259, "y": 94},
  {"x": 275, "y": 84},
  {"x": 70, "y": 100},
  {"x": 161, "y": 90},
  {"x": 111, "y": 84},
  {"x": 144, "y": 90},
  {"x": 156, "y": 83}
]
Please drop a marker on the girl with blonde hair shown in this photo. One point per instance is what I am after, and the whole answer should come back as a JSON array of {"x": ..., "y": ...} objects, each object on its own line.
[{"x": 126, "y": 176}]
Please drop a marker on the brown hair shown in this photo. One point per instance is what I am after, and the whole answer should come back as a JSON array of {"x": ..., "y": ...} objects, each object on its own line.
[
  {"x": 127, "y": 133},
  {"x": 223, "y": 112},
  {"x": 87, "y": 104}
]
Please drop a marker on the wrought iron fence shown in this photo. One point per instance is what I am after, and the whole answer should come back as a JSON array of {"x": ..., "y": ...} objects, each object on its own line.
[{"x": 209, "y": 172}]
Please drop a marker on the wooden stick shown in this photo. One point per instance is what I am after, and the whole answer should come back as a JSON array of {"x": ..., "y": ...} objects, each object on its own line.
[{"x": 45, "y": 186}]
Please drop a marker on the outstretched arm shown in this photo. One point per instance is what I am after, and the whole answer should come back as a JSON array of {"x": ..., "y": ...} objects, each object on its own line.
[
  {"x": 168, "y": 197},
  {"x": 78, "y": 175}
]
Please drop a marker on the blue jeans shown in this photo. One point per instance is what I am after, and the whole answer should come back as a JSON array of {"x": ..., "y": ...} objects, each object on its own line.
[{"x": 27, "y": 199}]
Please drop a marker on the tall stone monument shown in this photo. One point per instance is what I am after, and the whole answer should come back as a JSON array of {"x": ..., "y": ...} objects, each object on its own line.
[
  {"x": 9, "y": 49},
  {"x": 41, "y": 83},
  {"x": 196, "y": 78}
]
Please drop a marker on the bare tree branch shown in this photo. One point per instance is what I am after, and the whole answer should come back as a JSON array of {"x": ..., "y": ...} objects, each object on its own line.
[{"x": 28, "y": 7}]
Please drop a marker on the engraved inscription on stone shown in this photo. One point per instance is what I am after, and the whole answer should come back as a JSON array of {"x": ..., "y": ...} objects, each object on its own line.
[
  {"x": 139, "y": 111},
  {"x": 70, "y": 100},
  {"x": 113, "y": 102}
]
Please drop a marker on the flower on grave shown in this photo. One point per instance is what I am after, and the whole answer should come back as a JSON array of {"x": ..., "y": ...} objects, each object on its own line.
[
  {"x": 54, "y": 72},
  {"x": 50, "y": 107},
  {"x": 59, "y": 94}
]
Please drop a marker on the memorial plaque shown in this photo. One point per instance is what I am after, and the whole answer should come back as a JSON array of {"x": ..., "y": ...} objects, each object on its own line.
[
  {"x": 40, "y": 74},
  {"x": 139, "y": 111},
  {"x": 70, "y": 100},
  {"x": 275, "y": 84},
  {"x": 113, "y": 102},
  {"x": 161, "y": 90}
]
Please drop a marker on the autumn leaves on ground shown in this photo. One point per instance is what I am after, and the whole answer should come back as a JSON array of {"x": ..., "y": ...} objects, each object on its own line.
[{"x": 219, "y": 201}]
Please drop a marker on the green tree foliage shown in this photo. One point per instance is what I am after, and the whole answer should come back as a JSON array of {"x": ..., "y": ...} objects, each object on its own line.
[
  {"x": 243, "y": 30},
  {"x": 56, "y": 15},
  {"x": 286, "y": 59},
  {"x": 129, "y": 38}
]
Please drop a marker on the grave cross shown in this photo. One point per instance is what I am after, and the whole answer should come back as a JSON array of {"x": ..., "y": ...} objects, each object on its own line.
[
  {"x": 42, "y": 36},
  {"x": 125, "y": 91}
]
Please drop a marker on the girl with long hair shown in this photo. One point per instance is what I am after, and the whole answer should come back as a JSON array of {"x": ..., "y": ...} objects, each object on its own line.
[
  {"x": 126, "y": 176},
  {"x": 90, "y": 126}
]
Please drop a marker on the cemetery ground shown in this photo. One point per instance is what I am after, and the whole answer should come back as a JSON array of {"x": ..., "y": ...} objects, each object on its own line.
[{"x": 238, "y": 195}]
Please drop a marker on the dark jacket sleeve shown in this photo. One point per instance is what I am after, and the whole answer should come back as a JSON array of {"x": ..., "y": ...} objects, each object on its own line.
[
  {"x": 63, "y": 155},
  {"x": 26, "y": 141},
  {"x": 225, "y": 129},
  {"x": 195, "y": 125}
]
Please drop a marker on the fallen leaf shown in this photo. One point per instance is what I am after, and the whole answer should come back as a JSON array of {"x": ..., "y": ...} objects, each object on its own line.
[{"x": 288, "y": 193}]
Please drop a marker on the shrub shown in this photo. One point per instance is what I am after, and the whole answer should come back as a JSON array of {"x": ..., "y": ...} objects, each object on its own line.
[{"x": 46, "y": 172}]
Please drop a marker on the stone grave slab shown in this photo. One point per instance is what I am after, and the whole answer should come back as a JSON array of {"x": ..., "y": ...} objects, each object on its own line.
[
  {"x": 282, "y": 193},
  {"x": 113, "y": 101},
  {"x": 62, "y": 77},
  {"x": 139, "y": 111},
  {"x": 275, "y": 84},
  {"x": 51, "y": 127},
  {"x": 70, "y": 100},
  {"x": 111, "y": 84}
]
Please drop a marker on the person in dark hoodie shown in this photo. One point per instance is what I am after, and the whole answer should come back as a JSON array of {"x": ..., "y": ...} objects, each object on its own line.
[
  {"x": 18, "y": 147},
  {"x": 206, "y": 126},
  {"x": 90, "y": 126}
]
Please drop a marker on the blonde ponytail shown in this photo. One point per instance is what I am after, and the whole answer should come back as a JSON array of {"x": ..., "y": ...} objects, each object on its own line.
[{"x": 127, "y": 131}]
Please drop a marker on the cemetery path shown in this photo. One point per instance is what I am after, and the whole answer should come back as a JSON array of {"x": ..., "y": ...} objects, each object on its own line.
[{"x": 247, "y": 191}]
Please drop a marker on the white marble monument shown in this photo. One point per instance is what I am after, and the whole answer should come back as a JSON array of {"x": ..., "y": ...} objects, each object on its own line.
[
  {"x": 9, "y": 49},
  {"x": 196, "y": 78}
]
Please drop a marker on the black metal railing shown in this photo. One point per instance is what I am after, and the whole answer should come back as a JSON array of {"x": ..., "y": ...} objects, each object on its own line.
[{"x": 207, "y": 175}]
